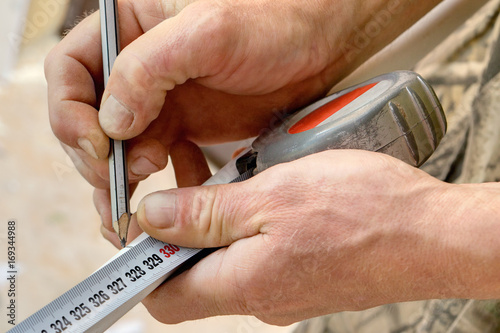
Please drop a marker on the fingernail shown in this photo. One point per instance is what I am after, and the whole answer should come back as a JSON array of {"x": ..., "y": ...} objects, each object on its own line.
[
  {"x": 87, "y": 147},
  {"x": 143, "y": 166},
  {"x": 160, "y": 209},
  {"x": 114, "y": 117}
]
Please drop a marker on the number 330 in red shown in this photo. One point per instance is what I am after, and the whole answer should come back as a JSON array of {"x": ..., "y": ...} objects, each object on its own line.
[{"x": 169, "y": 249}]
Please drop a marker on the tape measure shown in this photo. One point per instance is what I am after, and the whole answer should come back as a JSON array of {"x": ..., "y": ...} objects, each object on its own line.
[
  {"x": 397, "y": 114},
  {"x": 106, "y": 295}
]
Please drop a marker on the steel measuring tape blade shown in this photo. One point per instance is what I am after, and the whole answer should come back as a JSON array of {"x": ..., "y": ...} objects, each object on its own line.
[{"x": 101, "y": 299}]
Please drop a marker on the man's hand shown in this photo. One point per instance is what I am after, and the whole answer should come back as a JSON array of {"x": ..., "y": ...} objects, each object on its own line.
[
  {"x": 330, "y": 232},
  {"x": 207, "y": 71},
  {"x": 227, "y": 66},
  {"x": 335, "y": 231}
]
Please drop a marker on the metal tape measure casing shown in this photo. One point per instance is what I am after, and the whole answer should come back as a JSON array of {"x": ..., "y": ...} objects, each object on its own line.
[{"x": 399, "y": 115}]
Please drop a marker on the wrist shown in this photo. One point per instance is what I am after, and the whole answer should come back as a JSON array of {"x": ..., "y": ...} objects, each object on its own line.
[
  {"x": 462, "y": 254},
  {"x": 475, "y": 228}
]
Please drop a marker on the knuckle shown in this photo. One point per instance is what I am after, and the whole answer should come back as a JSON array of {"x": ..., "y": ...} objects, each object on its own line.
[
  {"x": 53, "y": 58},
  {"x": 135, "y": 70},
  {"x": 202, "y": 214},
  {"x": 277, "y": 187},
  {"x": 59, "y": 124},
  {"x": 95, "y": 180},
  {"x": 47, "y": 64},
  {"x": 215, "y": 31},
  {"x": 87, "y": 172},
  {"x": 98, "y": 171},
  {"x": 136, "y": 83}
]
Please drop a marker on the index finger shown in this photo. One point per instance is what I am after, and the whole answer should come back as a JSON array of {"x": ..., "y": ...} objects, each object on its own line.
[{"x": 73, "y": 70}]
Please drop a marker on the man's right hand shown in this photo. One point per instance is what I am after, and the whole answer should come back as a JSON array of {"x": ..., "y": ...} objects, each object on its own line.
[
  {"x": 226, "y": 65},
  {"x": 228, "y": 68}
]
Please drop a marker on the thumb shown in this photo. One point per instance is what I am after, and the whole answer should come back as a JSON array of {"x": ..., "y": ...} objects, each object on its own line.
[
  {"x": 165, "y": 56},
  {"x": 204, "y": 216}
]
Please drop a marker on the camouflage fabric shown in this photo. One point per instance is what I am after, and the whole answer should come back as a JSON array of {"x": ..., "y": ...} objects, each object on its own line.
[
  {"x": 434, "y": 316},
  {"x": 464, "y": 71}
]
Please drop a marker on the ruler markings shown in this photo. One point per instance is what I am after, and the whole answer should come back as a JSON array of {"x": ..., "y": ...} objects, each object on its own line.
[{"x": 110, "y": 287}]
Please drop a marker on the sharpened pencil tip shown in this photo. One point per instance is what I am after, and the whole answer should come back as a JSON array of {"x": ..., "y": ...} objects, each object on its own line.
[{"x": 121, "y": 228}]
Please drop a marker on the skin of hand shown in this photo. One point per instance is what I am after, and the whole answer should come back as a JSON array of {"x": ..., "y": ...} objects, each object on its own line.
[{"x": 302, "y": 240}]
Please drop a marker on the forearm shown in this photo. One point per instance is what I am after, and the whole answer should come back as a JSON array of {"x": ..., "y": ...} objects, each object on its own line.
[
  {"x": 451, "y": 243},
  {"x": 473, "y": 233}
]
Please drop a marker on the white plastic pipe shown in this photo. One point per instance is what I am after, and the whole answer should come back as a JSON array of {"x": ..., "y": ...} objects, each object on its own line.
[
  {"x": 12, "y": 15},
  {"x": 416, "y": 42}
]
